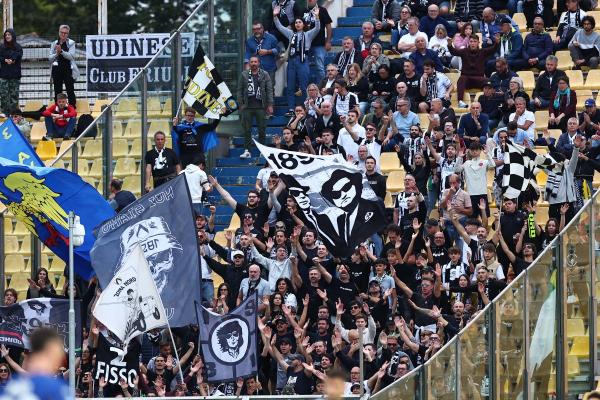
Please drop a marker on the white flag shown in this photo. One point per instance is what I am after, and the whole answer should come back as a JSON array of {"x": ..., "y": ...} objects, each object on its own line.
[{"x": 130, "y": 305}]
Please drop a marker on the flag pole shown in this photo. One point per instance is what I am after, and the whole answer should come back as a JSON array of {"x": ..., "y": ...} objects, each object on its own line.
[
  {"x": 71, "y": 307},
  {"x": 175, "y": 350}
]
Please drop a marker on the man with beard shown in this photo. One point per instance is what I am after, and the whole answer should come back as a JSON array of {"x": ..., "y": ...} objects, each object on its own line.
[
  {"x": 350, "y": 134},
  {"x": 264, "y": 45},
  {"x": 233, "y": 273},
  {"x": 188, "y": 136},
  {"x": 253, "y": 206},
  {"x": 487, "y": 289}
]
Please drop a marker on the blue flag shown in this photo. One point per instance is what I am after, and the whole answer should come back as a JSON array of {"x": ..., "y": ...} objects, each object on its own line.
[
  {"x": 15, "y": 147},
  {"x": 163, "y": 224},
  {"x": 42, "y": 197}
]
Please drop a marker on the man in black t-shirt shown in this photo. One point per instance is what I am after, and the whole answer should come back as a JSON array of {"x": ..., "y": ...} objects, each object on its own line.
[
  {"x": 412, "y": 80},
  {"x": 162, "y": 163},
  {"x": 253, "y": 206},
  {"x": 321, "y": 44}
]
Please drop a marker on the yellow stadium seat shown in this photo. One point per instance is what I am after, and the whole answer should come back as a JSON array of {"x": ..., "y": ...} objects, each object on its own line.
[
  {"x": 592, "y": 81},
  {"x": 18, "y": 281},
  {"x": 45, "y": 261},
  {"x": 596, "y": 182},
  {"x": 572, "y": 365},
  {"x": 541, "y": 179},
  {"x": 20, "y": 229},
  {"x": 555, "y": 133},
  {"x": 46, "y": 149},
  {"x": 541, "y": 213},
  {"x": 124, "y": 167},
  {"x": 83, "y": 106},
  {"x": 520, "y": 20},
  {"x": 92, "y": 149},
  {"x": 33, "y": 105},
  {"x": 564, "y": 60},
  {"x": 220, "y": 239},
  {"x": 25, "y": 248},
  {"x": 153, "y": 107},
  {"x": 575, "y": 327},
  {"x": 575, "y": 78},
  {"x": 395, "y": 181},
  {"x": 133, "y": 129},
  {"x": 117, "y": 129},
  {"x": 541, "y": 120},
  {"x": 98, "y": 105},
  {"x": 8, "y": 225},
  {"x": 96, "y": 169},
  {"x": 453, "y": 76},
  {"x": 38, "y": 131},
  {"x": 57, "y": 265},
  {"x": 120, "y": 148},
  {"x": 423, "y": 120},
  {"x": 127, "y": 108},
  {"x": 528, "y": 80},
  {"x": 65, "y": 152},
  {"x": 159, "y": 126},
  {"x": 167, "y": 108},
  {"x": 580, "y": 347},
  {"x": 595, "y": 14},
  {"x": 454, "y": 100},
  {"x": 389, "y": 200},
  {"x": 234, "y": 223},
  {"x": 11, "y": 244},
  {"x": 136, "y": 148},
  {"x": 389, "y": 162},
  {"x": 582, "y": 96},
  {"x": 133, "y": 184},
  {"x": 14, "y": 263}
]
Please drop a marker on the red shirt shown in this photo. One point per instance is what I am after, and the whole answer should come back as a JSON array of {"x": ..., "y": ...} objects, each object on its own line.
[{"x": 66, "y": 113}]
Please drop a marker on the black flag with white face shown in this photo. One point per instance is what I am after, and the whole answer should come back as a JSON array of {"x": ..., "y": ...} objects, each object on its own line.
[
  {"x": 333, "y": 196},
  {"x": 19, "y": 320},
  {"x": 205, "y": 90},
  {"x": 163, "y": 224},
  {"x": 228, "y": 342}
]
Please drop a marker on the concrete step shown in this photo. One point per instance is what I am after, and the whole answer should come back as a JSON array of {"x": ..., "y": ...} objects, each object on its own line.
[
  {"x": 236, "y": 171},
  {"x": 351, "y": 21},
  {"x": 236, "y": 152},
  {"x": 363, "y": 3},
  {"x": 237, "y": 180}
]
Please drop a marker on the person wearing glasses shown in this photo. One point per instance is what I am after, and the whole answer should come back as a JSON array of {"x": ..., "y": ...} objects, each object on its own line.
[
  {"x": 64, "y": 67},
  {"x": 5, "y": 374}
]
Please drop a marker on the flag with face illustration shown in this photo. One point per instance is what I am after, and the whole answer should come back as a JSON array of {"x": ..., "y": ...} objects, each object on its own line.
[
  {"x": 163, "y": 224},
  {"x": 333, "y": 197}
]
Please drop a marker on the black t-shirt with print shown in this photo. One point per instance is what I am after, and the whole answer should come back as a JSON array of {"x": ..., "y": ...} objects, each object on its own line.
[
  {"x": 164, "y": 165},
  {"x": 309, "y": 22}
]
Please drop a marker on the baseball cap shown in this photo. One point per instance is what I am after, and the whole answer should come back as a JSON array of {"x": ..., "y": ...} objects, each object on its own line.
[
  {"x": 236, "y": 253},
  {"x": 390, "y": 321},
  {"x": 280, "y": 319},
  {"x": 273, "y": 173},
  {"x": 505, "y": 20},
  {"x": 431, "y": 222},
  {"x": 590, "y": 103},
  {"x": 488, "y": 83},
  {"x": 279, "y": 226},
  {"x": 296, "y": 356}
]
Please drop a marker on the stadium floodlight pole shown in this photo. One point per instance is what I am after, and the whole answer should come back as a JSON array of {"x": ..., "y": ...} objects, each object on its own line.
[{"x": 76, "y": 238}]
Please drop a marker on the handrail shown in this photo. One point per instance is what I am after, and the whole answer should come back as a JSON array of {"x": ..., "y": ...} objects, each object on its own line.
[
  {"x": 131, "y": 83},
  {"x": 497, "y": 299}
]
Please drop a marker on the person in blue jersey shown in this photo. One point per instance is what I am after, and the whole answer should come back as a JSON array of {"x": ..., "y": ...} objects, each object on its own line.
[
  {"x": 189, "y": 136},
  {"x": 37, "y": 380}
]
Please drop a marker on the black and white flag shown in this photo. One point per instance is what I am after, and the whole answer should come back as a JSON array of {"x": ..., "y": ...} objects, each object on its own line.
[
  {"x": 114, "y": 364},
  {"x": 332, "y": 195},
  {"x": 521, "y": 166},
  {"x": 205, "y": 90},
  {"x": 130, "y": 305},
  {"x": 163, "y": 224},
  {"x": 228, "y": 342},
  {"x": 19, "y": 320}
]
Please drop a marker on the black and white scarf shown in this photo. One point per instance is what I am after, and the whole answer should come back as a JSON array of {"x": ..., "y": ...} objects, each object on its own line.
[
  {"x": 253, "y": 89},
  {"x": 298, "y": 45},
  {"x": 567, "y": 22},
  {"x": 345, "y": 61},
  {"x": 432, "y": 89}
]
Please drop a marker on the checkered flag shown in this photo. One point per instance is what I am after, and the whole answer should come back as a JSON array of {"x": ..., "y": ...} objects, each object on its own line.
[
  {"x": 521, "y": 165},
  {"x": 205, "y": 90}
]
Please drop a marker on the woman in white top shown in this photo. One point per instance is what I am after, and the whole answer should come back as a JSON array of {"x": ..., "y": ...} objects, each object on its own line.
[{"x": 439, "y": 44}]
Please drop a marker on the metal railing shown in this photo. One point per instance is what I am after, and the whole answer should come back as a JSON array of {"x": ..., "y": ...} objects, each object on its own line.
[{"x": 536, "y": 340}]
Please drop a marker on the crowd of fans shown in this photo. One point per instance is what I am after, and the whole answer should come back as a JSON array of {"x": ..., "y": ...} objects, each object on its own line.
[{"x": 444, "y": 254}]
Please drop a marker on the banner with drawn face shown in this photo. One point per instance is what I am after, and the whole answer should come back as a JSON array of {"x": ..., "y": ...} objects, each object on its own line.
[
  {"x": 163, "y": 224},
  {"x": 19, "y": 320},
  {"x": 228, "y": 342},
  {"x": 332, "y": 195}
]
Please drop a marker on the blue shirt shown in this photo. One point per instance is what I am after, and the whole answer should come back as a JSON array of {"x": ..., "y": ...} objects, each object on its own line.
[
  {"x": 467, "y": 126},
  {"x": 268, "y": 42},
  {"x": 419, "y": 60},
  {"x": 403, "y": 123},
  {"x": 520, "y": 138},
  {"x": 37, "y": 387}
]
